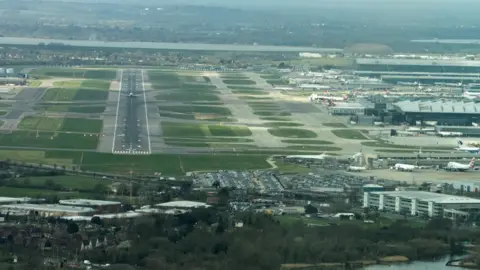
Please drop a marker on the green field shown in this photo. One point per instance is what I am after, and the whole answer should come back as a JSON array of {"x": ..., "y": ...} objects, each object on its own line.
[
  {"x": 178, "y": 130},
  {"x": 59, "y": 94},
  {"x": 282, "y": 124},
  {"x": 82, "y": 125},
  {"x": 41, "y": 123},
  {"x": 75, "y": 73},
  {"x": 172, "y": 164},
  {"x": 68, "y": 84},
  {"x": 275, "y": 118},
  {"x": 250, "y": 92},
  {"x": 182, "y": 96},
  {"x": 238, "y": 82},
  {"x": 307, "y": 142},
  {"x": 277, "y": 82},
  {"x": 197, "y": 109},
  {"x": 335, "y": 125},
  {"x": 270, "y": 77},
  {"x": 96, "y": 84},
  {"x": 271, "y": 113},
  {"x": 67, "y": 181},
  {"x": 48, "y": 140},
  {"x": 254, "y": 98},
  {"x": 292, "y": 133},
  {"x": 349, "y": 134}
]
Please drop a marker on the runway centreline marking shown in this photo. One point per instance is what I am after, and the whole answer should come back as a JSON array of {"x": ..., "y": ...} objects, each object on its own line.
[
  {"x": 116, "y": 114},
  {"x": 146, "y": 112}
]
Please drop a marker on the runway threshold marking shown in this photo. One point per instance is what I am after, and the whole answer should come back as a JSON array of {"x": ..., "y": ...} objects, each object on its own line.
[
  {"x": 146, "y": 113},
  {"x": 116, "y": 115}
]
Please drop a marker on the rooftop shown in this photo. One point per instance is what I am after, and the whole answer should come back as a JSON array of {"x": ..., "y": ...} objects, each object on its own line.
[
  {"x": 183, "y": 204},
  {"x": 417, "y": 62},
  {"x": 47, "y": 207},
  {"x": 88, "y": 202},
  {"x": 12, "y": 200},
  {"x": 429, "y": 197},
  {"x": 439, "y": 107}
]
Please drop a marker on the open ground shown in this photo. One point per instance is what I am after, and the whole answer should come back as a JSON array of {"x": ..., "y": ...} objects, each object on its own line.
[{"x": 172, "y": 117}]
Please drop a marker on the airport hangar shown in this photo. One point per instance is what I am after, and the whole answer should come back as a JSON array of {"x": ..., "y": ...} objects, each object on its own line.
[{"x": 423, "y": 203}]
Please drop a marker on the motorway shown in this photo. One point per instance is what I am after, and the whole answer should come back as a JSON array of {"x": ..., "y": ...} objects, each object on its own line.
[{"x": 131, "y": 131}]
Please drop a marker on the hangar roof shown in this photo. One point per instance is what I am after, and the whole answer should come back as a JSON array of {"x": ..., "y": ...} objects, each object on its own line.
[
  {"x": 417, "y": 62},
  {"x": 458, "y": 107}
]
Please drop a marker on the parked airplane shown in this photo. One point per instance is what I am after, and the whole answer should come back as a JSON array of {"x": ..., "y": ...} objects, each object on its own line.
[
  {"x": 356, "y": 169},
  {"x": 315, "y": 97},
  {"x": 459, "y": 167},
  {"x": 449, "y": 134},
  {"x": 473, "y": 150},
  {"x": 319, "y": 157},
  {"x": 404, "y": 167},
  {"x": 470, "y": 95}
]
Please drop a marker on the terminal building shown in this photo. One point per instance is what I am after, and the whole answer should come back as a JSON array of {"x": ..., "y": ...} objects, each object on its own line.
[
  {"x": 422, "y": 71},
  {"x": 417, "y": 65},
  {"x": 457, "y": 113},
  {"x": 422, "y": 203}
]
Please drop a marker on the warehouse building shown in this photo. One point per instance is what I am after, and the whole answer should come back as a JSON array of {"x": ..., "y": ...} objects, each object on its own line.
[
  {"x": 99, "y": 205},
  {"x": 182, "y": 205},
  {"x": 418, "y": 65},
  {"x": 457, "y": 113},
  {"x": 45, "y": 210},
  {"x": 422, "y": 203}
]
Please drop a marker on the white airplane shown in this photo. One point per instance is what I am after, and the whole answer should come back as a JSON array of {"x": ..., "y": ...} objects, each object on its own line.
[
  {"x": 449, "y": 134},
  {"x": 404, "y": 167},
  {"x": 319, "y": 157},
  {"x": 356, "y": 155},
  {"x": 470, "y": 95},
  {"x": 315, "y": 97},
  {"x": 459, "y": 167},
  {"x": 356, "y": 168},
  {"x": 473, "y": 150}
]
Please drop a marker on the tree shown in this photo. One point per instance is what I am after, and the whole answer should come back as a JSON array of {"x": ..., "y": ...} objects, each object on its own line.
[
  {"x": 72, "y": 227},
  {"x": 100, "y": 188},
  {"x": 309, "y": 209},
  {"x": 49, "y": 184},
  {"x": 97, "y": 220}
]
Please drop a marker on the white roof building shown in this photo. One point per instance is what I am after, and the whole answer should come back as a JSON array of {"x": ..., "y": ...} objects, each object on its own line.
[
  {"x": 422, "y": 203},
  {"x": 9, "y": 200},
  {"x": 87, "y": 202},
  {"x": 45, "y": 209},
  {"x": 454, "y": 107},
  {"x": 182, "y": 204}
]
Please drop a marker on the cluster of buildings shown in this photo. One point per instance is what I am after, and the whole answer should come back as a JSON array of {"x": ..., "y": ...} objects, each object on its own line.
[{"x": 86, "y": 209}]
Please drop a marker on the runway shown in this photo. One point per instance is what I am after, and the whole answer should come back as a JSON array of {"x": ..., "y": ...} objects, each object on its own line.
[{"x": 131, "y": 131}]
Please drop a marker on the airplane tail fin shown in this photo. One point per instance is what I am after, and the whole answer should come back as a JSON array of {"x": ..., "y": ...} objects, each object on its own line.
[
  {"x": 472, "y": 163},
  {"x": 459, "y": 143}
]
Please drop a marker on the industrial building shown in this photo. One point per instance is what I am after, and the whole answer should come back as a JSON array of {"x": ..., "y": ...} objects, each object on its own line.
[
  {"x": 99, "y": 205},
  {"x": 46, "y": 210},
  {"x": 422, "y": 203},
  {"x": 447, "y": 113}
]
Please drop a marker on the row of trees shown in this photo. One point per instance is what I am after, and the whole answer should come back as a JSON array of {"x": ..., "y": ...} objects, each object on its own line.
[{"x": 212, "y": 239}]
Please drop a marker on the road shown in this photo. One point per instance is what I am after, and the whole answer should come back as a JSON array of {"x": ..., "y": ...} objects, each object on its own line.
[{"x": 131, "y": 131}]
